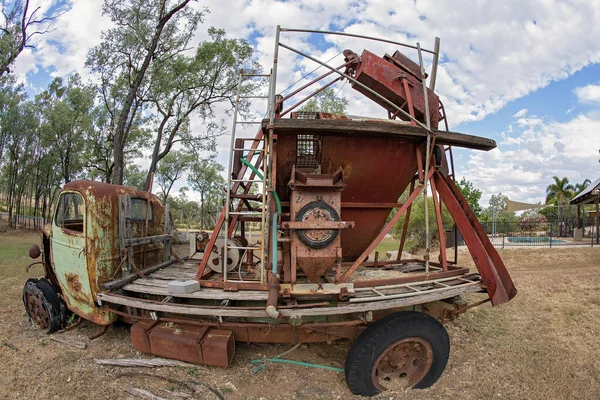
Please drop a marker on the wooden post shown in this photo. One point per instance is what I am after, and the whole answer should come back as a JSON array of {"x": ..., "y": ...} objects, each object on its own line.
[
  {"x": 125, "y": 230},
  {"x": 597, "y": 220},
  {"x": 168, "y": 231}
]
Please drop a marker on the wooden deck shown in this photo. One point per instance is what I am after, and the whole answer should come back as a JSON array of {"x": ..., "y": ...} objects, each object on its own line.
[{"x": 362, "y": 299}]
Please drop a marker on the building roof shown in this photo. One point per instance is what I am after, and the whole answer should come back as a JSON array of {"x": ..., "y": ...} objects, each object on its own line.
[{"x": 588, "y": 195}]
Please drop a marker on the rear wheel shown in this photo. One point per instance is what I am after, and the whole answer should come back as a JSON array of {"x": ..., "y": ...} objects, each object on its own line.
[
  {"x": 43, "y": 306},
  {"x": 402, "y": 350}
]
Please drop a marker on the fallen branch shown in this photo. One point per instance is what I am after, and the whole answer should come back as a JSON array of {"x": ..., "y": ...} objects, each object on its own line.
[
  {"x": 144, "y": 394},
  {"x": 71, "y": 342},
  {"x": 10, "y": 346},
  {"x": 193, "y": 386},
  {"x": 178, "y": 394},
  {"x": 142, "y": 362}
]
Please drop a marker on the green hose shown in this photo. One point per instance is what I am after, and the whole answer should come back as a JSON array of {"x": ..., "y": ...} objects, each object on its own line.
[
  {"x": 274, "y": 231},
  {"x": 283, "y": 361}
]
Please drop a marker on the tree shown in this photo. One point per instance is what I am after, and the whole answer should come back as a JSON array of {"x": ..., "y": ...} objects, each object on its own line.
[
  {"x": 205, "y": 178},
  {"x": 416, "y": 226},
  {"x": 134, "y": 176},
  {"x": 471, "y": 194},
  {"x": 171, "y": 169},
  {"x": 580, "y": 187},
  {"x": 184, "y": 85},
  {"x": 146, "y": 32},
  {"x": 16, "y": 31},
  {"x": 559, "y": 193},
  {"x": 66, "y": 120},
  {"x": 326, "y": 101}
]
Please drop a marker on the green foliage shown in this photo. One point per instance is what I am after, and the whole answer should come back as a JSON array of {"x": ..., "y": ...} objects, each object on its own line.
[
  {"x": 560, "y": 191},
  {"x": 326, "y": 101},
  {"x": 145, "y": 35},
  {"x": 170, "y": 169},
  {"x": 471, "y": 194},
  {"x": 497, "y": 210},
  {"x": 193, "y": 85},
  {"x": 205, "y": 178},
  {"x": 416, "y": 225},
  {"x": 135, "y": 177}
]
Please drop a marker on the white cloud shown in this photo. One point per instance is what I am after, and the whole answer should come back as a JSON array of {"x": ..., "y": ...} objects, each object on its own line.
[
  {"x": 521, "y": 113},
  {"x": 588, "y": 94},
  {"x": 522, "y": 167}
]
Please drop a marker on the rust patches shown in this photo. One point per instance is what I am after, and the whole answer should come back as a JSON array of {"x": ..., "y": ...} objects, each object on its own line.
[{"x": 73, "y": 281}]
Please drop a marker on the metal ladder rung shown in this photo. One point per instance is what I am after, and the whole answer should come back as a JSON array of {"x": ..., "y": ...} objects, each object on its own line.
[
  {"x": 253, "y": 139},
  {"x": 254, "y": 97},
  {"x": 245, "y": 213},
  {"x": 413, "y": 288},
  {"x": 247, "y": 180},
  {"x": 244, "y": 247},
  {"x": 249, "y": 149},
  {"x": 258, "y": 75},
  {"x": 249, "y": 122}
]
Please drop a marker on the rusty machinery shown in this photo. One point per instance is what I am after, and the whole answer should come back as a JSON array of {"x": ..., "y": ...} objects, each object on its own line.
[{"x": 311, "y": 196}]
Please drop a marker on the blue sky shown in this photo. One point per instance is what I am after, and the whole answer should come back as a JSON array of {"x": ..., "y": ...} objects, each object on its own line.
[{"x": 525, "y": 74}]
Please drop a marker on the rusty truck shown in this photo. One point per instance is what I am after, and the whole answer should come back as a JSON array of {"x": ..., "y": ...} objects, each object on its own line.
[{"x": 292, "y": 257}]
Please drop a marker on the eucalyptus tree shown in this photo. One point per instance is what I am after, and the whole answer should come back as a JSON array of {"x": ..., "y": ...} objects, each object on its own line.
[
  {"x": 186, "y": 86},
  {"x": 171, "y": 169},
  {"x": 205, "y": 178},
  {"x": 146, "y": 33},
  {"x": 66, "y": 111},
  {"x": 326, "y": 101},
  {"x": 20, "y": 24}
]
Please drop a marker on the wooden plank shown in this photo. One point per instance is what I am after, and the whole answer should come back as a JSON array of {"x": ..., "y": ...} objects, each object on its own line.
[
  {"x": 378, "y": 128},
  {"x": 120, "y": 282},
  {"x": 69, "y": 341},
  {"x": 204, "y": 293},
  {"x": 147, "y": 240},
  {"x": 286, "y": 313},
  {"x": 143, "y": 394},
  {"x": 142, "y": 362}
]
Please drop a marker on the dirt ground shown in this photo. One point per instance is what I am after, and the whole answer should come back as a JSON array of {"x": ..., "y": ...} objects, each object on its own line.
[{"x": 542, "y": 345}]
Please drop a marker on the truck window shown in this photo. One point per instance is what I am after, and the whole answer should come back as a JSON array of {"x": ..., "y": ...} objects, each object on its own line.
[
  {"x": 138, "y": 210},
  {"x": 70, "y": 212}
]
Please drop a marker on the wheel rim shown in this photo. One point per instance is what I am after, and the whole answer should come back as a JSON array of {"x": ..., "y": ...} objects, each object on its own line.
[
  {"x": 37, "y": 309},
  {"x": 403, "y": 364}
]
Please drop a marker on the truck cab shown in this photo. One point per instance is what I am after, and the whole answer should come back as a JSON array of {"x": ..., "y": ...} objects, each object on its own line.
[{"x": 81, "y": 250}]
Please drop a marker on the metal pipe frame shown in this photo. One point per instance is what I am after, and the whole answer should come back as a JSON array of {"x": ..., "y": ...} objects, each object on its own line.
[
  {"x": 351, "y": 79},
  {"x": 353, "y": 35},
  {"x": 313, "y": 94}
]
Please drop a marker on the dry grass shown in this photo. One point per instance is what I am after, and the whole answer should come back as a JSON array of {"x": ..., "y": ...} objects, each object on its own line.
[{"x": 543, "y": 344}]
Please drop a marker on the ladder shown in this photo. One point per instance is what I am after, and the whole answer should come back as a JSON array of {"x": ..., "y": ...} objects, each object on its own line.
[{"x": 247, "y": 167}]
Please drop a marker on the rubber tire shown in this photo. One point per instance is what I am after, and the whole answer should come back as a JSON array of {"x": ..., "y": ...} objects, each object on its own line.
[
  {"x": 302, "y": 235},
  {"x": 386, "y": 331},
  {"x": 52, "y": 302}
]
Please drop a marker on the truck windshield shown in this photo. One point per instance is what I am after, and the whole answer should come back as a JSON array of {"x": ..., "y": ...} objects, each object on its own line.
[{"x": 70, "y": 212}]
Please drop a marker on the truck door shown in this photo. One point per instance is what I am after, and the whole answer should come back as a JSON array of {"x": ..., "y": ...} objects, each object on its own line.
[{"x": 69, "y": 252}]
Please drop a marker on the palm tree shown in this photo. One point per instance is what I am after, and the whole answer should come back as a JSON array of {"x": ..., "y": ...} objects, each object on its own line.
[
  {"x": 579, "y": 187},
  {"x": 559, "y": 192}
]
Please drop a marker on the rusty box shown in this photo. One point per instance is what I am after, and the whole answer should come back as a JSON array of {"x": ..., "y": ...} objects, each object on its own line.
[{"x": 185, "y": 342}]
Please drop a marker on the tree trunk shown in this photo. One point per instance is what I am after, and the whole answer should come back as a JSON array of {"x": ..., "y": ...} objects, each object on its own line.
[{"x": 120, "y": 135}]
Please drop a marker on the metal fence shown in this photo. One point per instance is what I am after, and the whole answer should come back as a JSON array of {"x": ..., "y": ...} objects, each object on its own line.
[
  {"x": 22, "y": 221},
  {"x": 540, "y": 234}
]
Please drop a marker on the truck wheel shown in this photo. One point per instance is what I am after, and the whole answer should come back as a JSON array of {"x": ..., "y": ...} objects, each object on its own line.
[
  {"x": 402, "y": 350},
  {"x": 43, "y": 305}
]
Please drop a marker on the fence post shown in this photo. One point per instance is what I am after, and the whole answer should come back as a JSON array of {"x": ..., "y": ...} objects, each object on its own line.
[{"x": 550, "y": 239}]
